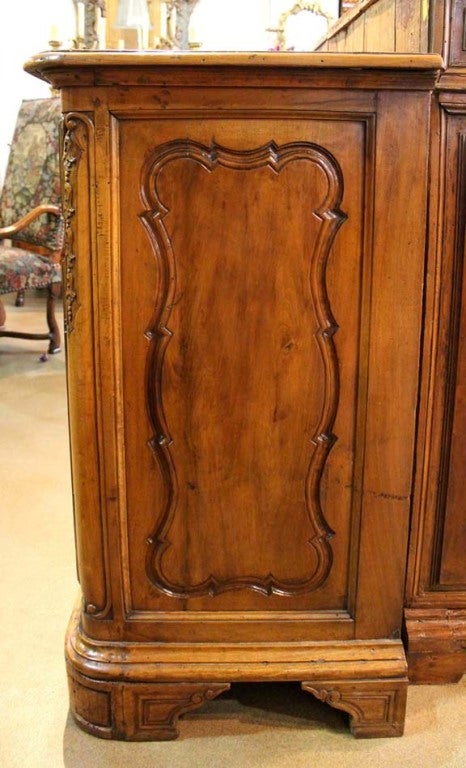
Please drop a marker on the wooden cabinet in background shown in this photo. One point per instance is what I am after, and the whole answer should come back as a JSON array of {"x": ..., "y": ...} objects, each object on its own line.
[
  {"x": 435, "y": 616},
  {"x": 436, "y": 587},
  {"x": 245, "y": 255}
]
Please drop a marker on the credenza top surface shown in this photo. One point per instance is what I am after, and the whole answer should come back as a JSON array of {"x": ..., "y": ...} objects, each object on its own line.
[{"x": 94, "y": 67}]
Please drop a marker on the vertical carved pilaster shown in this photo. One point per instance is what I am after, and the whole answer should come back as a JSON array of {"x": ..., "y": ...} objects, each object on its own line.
[
  {"x": 71, "y": 156},
  {"x": 77, "y": 131}
]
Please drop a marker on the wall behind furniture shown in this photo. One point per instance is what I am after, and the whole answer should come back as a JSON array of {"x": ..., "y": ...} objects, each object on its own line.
[{"x": 25, "y": 28}]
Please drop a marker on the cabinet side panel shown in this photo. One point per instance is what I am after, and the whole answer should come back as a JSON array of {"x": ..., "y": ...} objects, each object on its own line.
[{"x": 393, "y": 357}]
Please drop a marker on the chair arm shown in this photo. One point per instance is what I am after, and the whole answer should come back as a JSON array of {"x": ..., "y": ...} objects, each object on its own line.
[{"x": 12, "y": 229}]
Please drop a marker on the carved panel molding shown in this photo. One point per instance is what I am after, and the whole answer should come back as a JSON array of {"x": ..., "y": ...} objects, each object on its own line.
[
  {"x": 158, "y": 712},
  {"x": 379, "y": 707},
  {"x": 329, "y": 217}
]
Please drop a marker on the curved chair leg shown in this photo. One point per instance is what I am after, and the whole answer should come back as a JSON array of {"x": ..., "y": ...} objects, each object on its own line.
[
  {"x": 19, "y": 301},
  {"x": 53, "y": 292}
]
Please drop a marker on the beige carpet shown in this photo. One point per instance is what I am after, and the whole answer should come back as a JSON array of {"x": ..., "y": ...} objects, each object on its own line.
[{"x": 263, "y": 726}]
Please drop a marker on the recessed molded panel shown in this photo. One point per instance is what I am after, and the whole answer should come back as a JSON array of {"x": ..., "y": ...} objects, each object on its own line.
[{"x": 448, "y": 565}]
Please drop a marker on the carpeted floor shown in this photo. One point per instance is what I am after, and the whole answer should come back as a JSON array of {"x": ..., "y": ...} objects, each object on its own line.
[{"x": 256, "y": 726}]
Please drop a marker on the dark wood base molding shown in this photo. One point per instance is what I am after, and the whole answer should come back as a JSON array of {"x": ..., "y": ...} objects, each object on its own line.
[
  {"x": 137, "y": 691},
  {"x": 436, "y": 645}
]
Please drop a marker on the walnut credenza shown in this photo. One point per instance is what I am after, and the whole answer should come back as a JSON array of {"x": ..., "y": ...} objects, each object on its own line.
[{"x": 245, "y": 256}]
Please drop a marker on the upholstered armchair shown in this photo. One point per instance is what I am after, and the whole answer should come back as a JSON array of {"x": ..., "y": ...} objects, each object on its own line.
[{"x": 31, "y": 225}]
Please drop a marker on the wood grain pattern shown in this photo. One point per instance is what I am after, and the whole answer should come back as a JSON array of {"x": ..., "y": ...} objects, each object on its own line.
[
  {"x": 380, "y": 26},
  {"x": 409, "y": 21},
  {"x": 232, "y": 434},
  {"x": 89, "y": 63}
]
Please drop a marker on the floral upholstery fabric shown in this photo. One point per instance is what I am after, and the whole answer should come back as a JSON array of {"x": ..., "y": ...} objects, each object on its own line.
[
  {"x": 20, "y": 269},
  {"x": 32, "y": 176}
]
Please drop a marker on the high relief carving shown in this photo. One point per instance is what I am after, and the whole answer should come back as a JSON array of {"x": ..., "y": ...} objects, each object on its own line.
[
  {"x": 327, "y": 218},
  {"x": 74, "y": 146}
]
